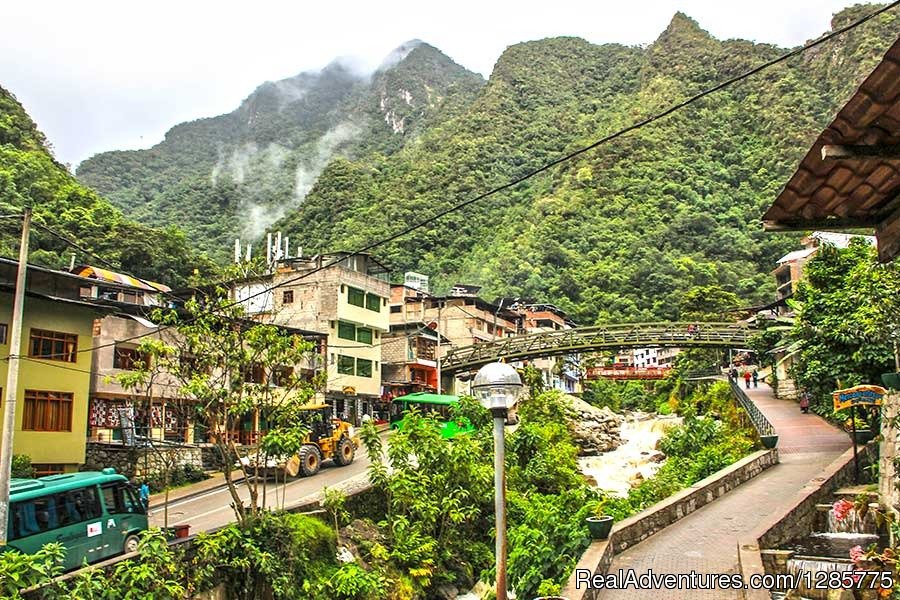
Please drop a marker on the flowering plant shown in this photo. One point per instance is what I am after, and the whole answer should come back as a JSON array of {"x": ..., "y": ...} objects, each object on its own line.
[{"x": 842, "y": 508}]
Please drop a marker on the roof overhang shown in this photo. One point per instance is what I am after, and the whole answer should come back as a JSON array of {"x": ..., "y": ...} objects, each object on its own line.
[{"x": 850, "y": 177}]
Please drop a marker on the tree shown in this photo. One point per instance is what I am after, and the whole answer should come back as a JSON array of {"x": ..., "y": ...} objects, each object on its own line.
[
  {"x": 847, "y": 314},
  {"x": 235, "y": 371}
]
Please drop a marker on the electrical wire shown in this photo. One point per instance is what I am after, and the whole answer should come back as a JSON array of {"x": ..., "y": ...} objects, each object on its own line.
[{"x": 549, "y": 165}]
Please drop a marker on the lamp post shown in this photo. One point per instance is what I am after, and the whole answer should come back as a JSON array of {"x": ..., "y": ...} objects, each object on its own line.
[{"x": 497, "y": 387}]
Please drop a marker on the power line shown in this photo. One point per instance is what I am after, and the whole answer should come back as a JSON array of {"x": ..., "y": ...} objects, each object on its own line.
[{"x": 547, "y": 166}]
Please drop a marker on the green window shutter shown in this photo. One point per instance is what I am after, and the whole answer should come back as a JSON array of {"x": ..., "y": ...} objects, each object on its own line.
[
  {"x": 373, "y": 302},
  {"x": 363, "y": 367},
  {"x": 346, "y": 331},
  {"x": 345, "y": 365},
  {"x": 356, "y": 297},
  {"x": 364, "y": 335}
]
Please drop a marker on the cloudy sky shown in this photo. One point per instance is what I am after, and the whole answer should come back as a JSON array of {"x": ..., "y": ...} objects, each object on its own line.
[{"x": 110, "y": 74}]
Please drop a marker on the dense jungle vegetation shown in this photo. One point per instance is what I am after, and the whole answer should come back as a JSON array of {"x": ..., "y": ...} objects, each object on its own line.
[
  {"x": 623, "y": 232},
  {"x": 29, "y": 175}
]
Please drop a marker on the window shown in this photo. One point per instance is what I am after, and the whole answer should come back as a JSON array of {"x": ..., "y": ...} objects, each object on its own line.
[
  {"x": 4, "y": 330},
  {"x": 132, "y": 296},
  {"x": 53, "y": 345},
  {"x": 356, "y": 297},
  {"x": 282, "y": 376},
  {"x": 44, "y": 469},
  {"x": 346, "y": 331},
  {"x": 287, "y": 297},
  {"x": 130, "y": 359},
  {"x": 364, "y": 335},
  {"x": 395, "y": 308},
  {"x": 373, "y": 302},
  {"x": 363, "y": 367},
  {"x": 47, "y": 411},
  {"x": 345, "y": 365},
  {"x": 119, "y": 499},
  {"x": 254, "y": 373}
]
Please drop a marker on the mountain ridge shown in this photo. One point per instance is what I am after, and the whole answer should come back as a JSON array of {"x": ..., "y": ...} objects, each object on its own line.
[{"x": 624, "y": 232}]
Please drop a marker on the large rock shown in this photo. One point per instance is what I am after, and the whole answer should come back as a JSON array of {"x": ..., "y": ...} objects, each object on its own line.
[{"x": 594, "y": 430}]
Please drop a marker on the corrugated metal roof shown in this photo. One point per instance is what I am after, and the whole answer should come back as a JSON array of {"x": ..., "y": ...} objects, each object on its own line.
[
  {"x": 796, "y": 255},
  {"x": 120, "y": 278}
]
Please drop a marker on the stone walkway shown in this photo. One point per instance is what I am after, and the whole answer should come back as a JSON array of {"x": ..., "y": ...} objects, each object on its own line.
[{"x": 706, "y": 540}]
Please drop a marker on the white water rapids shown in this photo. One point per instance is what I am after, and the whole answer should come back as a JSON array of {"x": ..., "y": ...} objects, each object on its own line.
[{"x": 617, "y": 471}]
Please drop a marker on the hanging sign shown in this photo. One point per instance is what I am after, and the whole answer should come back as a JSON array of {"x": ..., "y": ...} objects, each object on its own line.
[{"x": 860, "y": 395}]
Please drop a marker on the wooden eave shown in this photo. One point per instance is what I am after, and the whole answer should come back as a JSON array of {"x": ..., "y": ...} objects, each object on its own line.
[{"x": 858, "y": 186}]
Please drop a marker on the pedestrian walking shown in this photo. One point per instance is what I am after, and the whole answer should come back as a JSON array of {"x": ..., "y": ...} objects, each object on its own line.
[
  {"x": 145, "y": 494},
  {"x": 755, "y": 378},
  {"x": 733, "y": 374},
  {"x": 747, "y": 377},
  {"x": 804, "y": 402}
]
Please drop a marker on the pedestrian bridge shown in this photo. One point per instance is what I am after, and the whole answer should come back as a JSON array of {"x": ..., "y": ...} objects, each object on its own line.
[{"x": 600, "y": 337}]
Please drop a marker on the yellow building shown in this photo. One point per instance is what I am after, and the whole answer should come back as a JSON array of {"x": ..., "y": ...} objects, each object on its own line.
[{"x": 54, "y": 372}]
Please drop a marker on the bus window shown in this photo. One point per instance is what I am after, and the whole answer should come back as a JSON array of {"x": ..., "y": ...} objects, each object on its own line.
[
  {"x": 78, "y": 505},
  {"x": 119, "y": 498}
]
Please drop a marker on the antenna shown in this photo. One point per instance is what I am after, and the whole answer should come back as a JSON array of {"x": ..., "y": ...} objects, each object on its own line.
[
  {"x": 276, "y": 254},
  {"x": 269, "y": 248},
  {"x": 287, "y": 247},
  {"x": 72, "y": 263},
  {"x": 237, "y": 250},
  {"x": 249, "y": 246}
]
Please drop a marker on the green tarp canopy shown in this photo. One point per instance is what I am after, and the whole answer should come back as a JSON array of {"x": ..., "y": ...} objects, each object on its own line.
[{"x": 427, "y": 398}]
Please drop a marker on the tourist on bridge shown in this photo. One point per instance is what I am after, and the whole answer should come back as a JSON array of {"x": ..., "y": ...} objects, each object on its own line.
[
  {"x": 747, "y": 377},
  {"x": 755, "y": 378},
  {"x": 733, "y": 374}
]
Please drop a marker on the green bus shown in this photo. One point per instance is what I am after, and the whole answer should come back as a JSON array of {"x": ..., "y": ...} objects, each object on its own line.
[
  {"x": 94, "y": 515},
  {"x": 436, "y": 405}
]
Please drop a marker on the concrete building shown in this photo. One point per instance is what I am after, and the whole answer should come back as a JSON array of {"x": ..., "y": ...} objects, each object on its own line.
[
  {"x": 559, "y": 373},
  {"x": 55, "y": 370},
  {"x": 409, "y": 350},
  {"x": 348, "y": 302},
  {"x": 461, "y": 318}
]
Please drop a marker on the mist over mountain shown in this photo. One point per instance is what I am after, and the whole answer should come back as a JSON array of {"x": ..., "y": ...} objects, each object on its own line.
[
  {"x": 338, "y": 159},
  {"x": 236, "y": 174}
]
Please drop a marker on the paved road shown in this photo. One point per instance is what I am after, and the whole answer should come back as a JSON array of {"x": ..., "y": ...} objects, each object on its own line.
[
  {"x": 706, "y": 540},
  {"x": 213, "y": 508}
]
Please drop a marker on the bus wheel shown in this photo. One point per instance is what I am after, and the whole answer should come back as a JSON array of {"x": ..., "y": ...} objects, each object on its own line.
[
  {"x": 131, "y": 544},
  {"x": 310, "y": 462},
  {"x": 345, "y": 452}
]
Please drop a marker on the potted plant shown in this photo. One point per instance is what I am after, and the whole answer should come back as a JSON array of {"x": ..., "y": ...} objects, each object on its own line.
[
  {"x": 863, "y": 433},
  {"x": 599, "y": 524}
]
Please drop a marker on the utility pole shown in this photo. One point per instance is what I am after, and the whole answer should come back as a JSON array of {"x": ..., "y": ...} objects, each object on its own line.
[
  {"x": 12, "y": 379},
  {"x": 438, "y": 329}
]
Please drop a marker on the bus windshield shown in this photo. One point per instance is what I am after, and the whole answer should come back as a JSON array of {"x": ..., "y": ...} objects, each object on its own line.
[{"x": 94, "y": 515}]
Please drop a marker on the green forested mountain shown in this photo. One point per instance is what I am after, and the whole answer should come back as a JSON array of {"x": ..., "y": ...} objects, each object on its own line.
[
  {"x": 621, "y": 232},
  {"x": 236, "y": 174},
  {"x": 30, "y": 176}
]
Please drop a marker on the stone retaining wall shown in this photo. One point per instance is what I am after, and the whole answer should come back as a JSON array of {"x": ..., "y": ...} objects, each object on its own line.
[
  {"x": 757, "y": 552},
  {"x": 140, "y": 462},
  {"x": 639, "y": 527}
]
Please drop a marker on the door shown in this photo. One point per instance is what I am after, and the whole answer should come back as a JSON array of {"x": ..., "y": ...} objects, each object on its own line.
[{"x": 80, "y": 525}]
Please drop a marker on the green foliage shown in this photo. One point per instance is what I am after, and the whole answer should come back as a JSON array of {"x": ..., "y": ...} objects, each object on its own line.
[
  {"x": 20, "y": 571},
  {"x": 29, "y": 176},
  {"x": 21, "y": 466},
  {"x": 620, "y": 395},
  {"x": 178, "y": 476},
  {"x": 352, "y": 582},
  {"x": 847, "y": 323}
]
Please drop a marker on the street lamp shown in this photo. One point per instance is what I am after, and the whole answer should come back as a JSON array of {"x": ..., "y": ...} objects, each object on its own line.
[{"x": 497, "y": 387}]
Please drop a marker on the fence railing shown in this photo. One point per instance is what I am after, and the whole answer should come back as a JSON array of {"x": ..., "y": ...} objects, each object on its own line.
[{"x": 759, "y": 421}]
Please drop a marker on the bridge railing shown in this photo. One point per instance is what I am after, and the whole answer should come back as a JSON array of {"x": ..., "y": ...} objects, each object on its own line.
[
  {"x": 587, "y": 339},
  {"x": 759, "y": 421}
]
